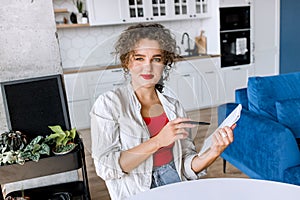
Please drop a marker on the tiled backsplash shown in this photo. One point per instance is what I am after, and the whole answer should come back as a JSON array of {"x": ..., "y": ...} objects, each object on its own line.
[{"x": 89, "y": 46}]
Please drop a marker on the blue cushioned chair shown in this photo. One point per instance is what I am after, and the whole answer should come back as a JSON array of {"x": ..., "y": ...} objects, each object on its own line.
[{"x": 265, "y": 139}]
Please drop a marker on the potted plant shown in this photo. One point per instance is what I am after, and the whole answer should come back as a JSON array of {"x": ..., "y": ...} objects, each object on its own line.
[
  {"x": 79, "y": 6},
  {"x": 11, "y": 145},
  {"x": 15, "y": 149},
  {"x": 63, "y": 141},
  {"x": 37, "y": 147}
]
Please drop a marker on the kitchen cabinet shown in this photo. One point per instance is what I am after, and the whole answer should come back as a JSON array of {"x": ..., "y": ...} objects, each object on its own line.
[
  {"x": 139, "y": 10},
  {"x": 235, "y": 78},
  {"x": 186, "y": 88},
  {"x": 184, "y": 9},
  {"x": 107, "y": 12},
  {"x": 104, "y": 12},
  {"x": 212, "y": 88},
  {"x": 195, "y": 83},
  {"x": 78, "y": 100},
  {"x": 102, "y": 81}
]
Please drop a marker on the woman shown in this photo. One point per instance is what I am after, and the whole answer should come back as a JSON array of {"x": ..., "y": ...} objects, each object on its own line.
[{"x": 139, "y": 138}]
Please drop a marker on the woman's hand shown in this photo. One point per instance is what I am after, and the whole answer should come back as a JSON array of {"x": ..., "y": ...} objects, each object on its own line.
[
  {"x": 173, "y": 131},
  {"x": 222, "y": 138}
]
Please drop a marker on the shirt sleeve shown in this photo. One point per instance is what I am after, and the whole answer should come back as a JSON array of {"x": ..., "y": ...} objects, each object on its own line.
[{"x": 105, "y": 140}]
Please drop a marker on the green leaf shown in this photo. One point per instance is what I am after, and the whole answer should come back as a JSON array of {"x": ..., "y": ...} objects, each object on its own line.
[
  {"x": 35, "y": 157},
  {"x": 25, "y": 155},
  {"x": 65, "y": 141},
  {"x": 36, "y": 148},
  {"x": 36, "y": 140},
  {"x": 73, "y": 133},
  {"x": 59, "y": 140},
  {"x": 67, "y": 133},
  {"x": 56, "y": 129},
  {"x": 45, "y": 149}
]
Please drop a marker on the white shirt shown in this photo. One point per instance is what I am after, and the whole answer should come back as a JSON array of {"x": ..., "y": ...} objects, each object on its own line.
[{"x": 117, "y": 125}]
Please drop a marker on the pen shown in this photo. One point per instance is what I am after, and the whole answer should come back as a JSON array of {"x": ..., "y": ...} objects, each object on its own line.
[{"x": 196, "y": 123}]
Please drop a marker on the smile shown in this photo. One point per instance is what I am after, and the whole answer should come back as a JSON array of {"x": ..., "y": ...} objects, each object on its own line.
[{"x": 147, "y": 76}]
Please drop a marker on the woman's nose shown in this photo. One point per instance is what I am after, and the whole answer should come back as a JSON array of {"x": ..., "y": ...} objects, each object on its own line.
[{"x": 148, "y": 64}]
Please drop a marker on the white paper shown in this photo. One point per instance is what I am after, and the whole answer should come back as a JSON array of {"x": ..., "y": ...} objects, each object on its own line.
[
  {"x": 241, "y": 46},
  {"x": 231, "y": 119}
]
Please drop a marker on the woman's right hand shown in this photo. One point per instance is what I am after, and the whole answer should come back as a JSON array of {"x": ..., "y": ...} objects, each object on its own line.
[{"x": 173, "y": 131}]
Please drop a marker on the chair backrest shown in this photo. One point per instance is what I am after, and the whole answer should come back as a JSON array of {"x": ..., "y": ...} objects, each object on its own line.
[
  {"x": 264, "y": 92},
  {"x": 241, "y": 97}
]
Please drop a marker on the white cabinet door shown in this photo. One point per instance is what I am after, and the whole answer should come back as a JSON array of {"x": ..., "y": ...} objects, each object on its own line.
[
  {"x": 79, "y": 114},
  {"x": 235, "y": 78},
  {"x": 211, "y": 89},
  {"x": 144, "y": 11},
  {"x": 198, "y": 8},
  {"x": 185, "y": 88},
  {"x": 103, "y": 12},
  {"x": 184, "y": 84},
  {"x": 266, "y": 37},
  {"x": 102, "y": 81},
  {"x": 96, "y": 90},
  {"x": 76, "y": 88},
  {"x": 78, "y": 100},
  {"x": 186, "y": 9}
]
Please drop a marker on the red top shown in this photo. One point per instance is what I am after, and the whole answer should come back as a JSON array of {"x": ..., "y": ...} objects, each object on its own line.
[{"x": 164, "y": 155}]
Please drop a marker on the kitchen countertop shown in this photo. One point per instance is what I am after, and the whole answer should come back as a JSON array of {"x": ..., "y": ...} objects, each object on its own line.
[{"x": 101, "y": 67}]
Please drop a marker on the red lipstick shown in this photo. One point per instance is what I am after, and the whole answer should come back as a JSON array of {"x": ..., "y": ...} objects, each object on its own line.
[{"x": 147, "y": 76}]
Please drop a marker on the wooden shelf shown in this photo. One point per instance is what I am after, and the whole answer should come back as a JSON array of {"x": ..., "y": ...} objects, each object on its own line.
[
  {"x": 71, "y": 25},
  {"x": 61, "y": 10}
]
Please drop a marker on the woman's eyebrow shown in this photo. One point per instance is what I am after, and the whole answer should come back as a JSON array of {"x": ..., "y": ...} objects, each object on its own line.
[
  {"x": 140, "y": 55},
  {"x": 157, "y": 55}
]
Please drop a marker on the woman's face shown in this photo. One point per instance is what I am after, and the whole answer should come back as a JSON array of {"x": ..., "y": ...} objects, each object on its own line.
[{"x": 146, "y": 64}]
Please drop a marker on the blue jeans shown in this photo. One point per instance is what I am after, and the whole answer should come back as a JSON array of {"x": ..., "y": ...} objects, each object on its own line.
[{"x": 164, "y": 175}]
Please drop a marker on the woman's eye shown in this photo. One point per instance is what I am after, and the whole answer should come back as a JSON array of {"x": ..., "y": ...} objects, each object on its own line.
[
  {"x": 157, "y": 59},
  {"x": 139, "y": 58}
]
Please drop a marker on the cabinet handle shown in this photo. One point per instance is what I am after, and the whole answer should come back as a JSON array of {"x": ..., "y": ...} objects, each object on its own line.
[
  {"x": 117, "y": 84},
  {"x": 210, "y": 72},
  {"x": 186, "y": 75},
  {"x": 116, "y": 70}
]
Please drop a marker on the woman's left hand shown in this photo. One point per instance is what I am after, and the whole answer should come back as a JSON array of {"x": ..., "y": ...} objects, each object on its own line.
[{"x": 222, "y": 138}]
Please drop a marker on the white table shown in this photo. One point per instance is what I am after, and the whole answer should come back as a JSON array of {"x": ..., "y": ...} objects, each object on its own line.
[{"x": 223, "y": 189}]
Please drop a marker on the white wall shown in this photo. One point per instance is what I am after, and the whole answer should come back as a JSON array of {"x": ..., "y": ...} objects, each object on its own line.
[{"x": 28, "y": 46}]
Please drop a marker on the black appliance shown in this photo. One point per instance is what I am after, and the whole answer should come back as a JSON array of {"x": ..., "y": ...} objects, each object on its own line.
[
  {"x": 235, "y": 36},
  {"x": 233, "y": 18}
]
